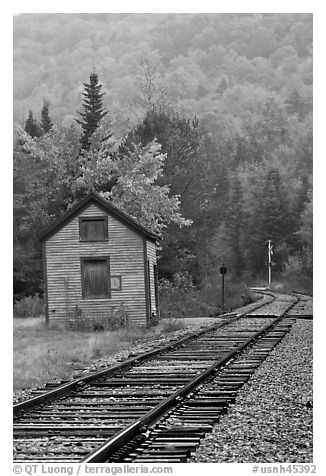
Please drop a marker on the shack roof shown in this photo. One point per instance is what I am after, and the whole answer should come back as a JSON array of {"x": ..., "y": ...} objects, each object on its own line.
[{"x": 107, "y": 207}]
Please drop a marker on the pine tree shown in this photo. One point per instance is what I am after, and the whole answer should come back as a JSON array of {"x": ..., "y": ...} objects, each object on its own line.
[
  {"x": 46, "y": 123},
  {"x": 234, "y": 225},
  {"x": 93, "y": 111},
  {"x": 31, "y": 126},
  {"x": 268, "y": 220}
]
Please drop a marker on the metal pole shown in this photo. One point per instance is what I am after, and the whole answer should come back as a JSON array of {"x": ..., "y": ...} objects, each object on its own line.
[
  {"x": 222, "y": 292},
  {"x": 269, "y": 263}
]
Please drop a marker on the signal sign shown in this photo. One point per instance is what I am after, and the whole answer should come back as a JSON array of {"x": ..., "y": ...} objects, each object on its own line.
[{"x": 222, "y": 270}]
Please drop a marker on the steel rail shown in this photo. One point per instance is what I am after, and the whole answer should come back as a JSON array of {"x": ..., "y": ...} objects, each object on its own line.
[
  {"x": 102, "y": 453},
  {"x": 133, "y": 428},
  {"x": 70, "y": 386}
]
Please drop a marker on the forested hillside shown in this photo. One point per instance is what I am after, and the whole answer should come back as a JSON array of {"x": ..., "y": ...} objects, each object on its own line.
[
  {"x": 209, "y": 122},
  {"x": 196, "y": 58}
]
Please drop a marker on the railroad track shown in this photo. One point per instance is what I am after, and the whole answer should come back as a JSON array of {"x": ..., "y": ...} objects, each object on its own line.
[{"x": 155, "y": 406}]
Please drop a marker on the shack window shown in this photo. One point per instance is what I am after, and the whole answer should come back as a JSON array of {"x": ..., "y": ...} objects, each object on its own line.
[
  {"x": 95, "y": 276},
  {"x": 93, "y": 228},
  {"x": 116, "y": 283}
]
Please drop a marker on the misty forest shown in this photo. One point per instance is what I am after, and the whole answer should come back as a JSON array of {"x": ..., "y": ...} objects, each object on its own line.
[{"x": 197, "y": 125}]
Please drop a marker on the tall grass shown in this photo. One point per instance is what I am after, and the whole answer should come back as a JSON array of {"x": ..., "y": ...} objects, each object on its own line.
[
  {"x": 172, "y": 325},
  {"x": 31, "y": 306},
  {"x": 42, "y": 354}
]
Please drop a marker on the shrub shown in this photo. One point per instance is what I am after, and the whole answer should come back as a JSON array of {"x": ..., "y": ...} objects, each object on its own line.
[
  {"x": 31, "y": 306},
  {"x": 297, "y": 274},
  {"x": 237, "y": 295},
  {"x": 116, "y": 318},
  {"x": 182, "y": 299},
  {"x": 178, "y": 297}
]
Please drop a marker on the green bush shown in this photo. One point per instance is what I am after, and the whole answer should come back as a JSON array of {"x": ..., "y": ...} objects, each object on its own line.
[
  {"x": 182, "y": 299},
  {"x": 31, "y": 306},
  {"x": 297, "y": 275},
  {"x": 116, "y": 318}
]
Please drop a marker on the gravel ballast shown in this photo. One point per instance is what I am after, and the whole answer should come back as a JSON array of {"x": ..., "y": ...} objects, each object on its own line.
[{"x": 271, "y": 420}]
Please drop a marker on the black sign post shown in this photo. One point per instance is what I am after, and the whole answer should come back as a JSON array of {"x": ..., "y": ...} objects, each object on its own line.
[{"x": 223, "y": 273}]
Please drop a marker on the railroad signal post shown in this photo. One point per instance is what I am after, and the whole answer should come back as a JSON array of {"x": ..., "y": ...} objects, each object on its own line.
[{"x": 223, "y": 273}]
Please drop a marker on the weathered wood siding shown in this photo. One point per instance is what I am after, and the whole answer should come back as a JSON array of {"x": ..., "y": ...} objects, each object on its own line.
[
  {"x": 63, "y": 253},
  {"x": 151, "y": 257}
]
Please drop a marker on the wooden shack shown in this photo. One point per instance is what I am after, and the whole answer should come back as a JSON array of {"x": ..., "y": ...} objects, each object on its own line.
[{"x": 99, "y": 263}]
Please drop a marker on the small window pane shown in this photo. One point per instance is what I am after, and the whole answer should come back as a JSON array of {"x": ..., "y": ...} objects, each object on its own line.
[
  {"x": 116, "y": 283},
  {"x": 93, "y": 230}
]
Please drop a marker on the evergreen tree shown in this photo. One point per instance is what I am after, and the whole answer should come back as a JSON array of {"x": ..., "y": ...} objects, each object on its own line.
[
  {"x": 46, "y": 123},
  {"x": 268, "y": 220},
  {"x": 31, "y": 126},
  {"x": 234, "y": 224},
  {"x": 93, "y": 111},
  {"x": 305, "y": 234}
]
